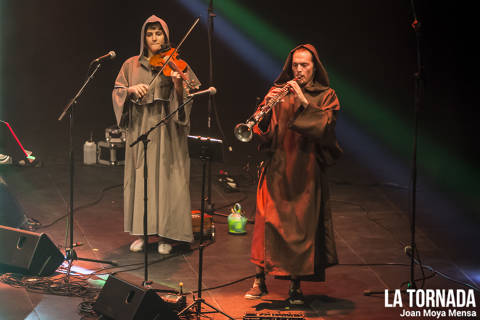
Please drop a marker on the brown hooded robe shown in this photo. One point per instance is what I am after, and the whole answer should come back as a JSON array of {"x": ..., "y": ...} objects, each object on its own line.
[
  {"x": 293, "y": 233},
  {"x": 169, "y": 212}
]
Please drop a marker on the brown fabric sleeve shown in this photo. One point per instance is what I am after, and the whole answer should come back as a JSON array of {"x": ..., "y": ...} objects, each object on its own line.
[{"x": 317, "y": 121}]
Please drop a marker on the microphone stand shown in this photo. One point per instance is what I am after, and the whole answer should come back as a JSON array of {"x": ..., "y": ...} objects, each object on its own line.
[
  {"x": 418, "y": 100},
  {"x": 419, "y": 81},
  {"x": 211, "y": 109},
  {"x": 210, "y": 206},
  {"x": 70, "y": 253},
  {"x": 144, "y": 138},
  {"x": 211, "y": 104},
  {"x": 206, "y": 165}
]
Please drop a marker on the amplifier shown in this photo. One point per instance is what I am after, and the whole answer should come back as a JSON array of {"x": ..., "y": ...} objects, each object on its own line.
[
  {"x": 208, "y": 225},
  {"x": 111, "y": 154},
  {"x": 276, "y": 315}
]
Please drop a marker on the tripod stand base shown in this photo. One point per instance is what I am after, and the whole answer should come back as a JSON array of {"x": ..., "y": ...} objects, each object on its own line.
[{"x": 198, "y": 304}]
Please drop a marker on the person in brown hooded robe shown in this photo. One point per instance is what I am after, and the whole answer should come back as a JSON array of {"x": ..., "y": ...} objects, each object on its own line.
[
  {"x": 140, "y": 106},
  {"x": 293, "y": 235}
]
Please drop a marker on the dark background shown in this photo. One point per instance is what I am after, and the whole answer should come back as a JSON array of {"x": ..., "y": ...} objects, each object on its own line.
[{"x": 47, "y": 47}]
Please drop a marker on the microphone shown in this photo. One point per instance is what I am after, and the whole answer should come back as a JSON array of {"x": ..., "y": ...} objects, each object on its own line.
[
  {"x": 211, "y": 91},
  {"x": 108, "y": 56}
]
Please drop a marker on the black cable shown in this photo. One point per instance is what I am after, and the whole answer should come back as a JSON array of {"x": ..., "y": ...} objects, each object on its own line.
[
  {"x": 139, "y": 265},
  {"x": 392, "y": 185},
  {"x": 150, "y": 263},
  {"x": 373, "y": 264},
  {"x": 230, "y": 204},
  {"x": 423, "y": 278},
  {"x": 41, "y": 226},
  {"x": 421, "y": 268},
  {"x": 346, "y": 264},
  {"x": 417, "y": 260},
  {"x": 245, "y": 197},
  {"x": 369, "y": 292},
  {"x": 227, "y": 284},
  {"x": 475, "y": 288},
  {"x": 100, "y": 198},
  {"x": 55, "y": 285}
]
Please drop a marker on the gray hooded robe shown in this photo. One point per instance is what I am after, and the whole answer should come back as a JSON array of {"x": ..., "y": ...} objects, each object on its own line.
[{"x": 168, "y": 162}]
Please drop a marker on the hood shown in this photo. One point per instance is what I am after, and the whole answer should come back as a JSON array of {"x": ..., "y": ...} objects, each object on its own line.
[
  {"x": 321, "y": 81},
  {"x": 152, "y": 19}
]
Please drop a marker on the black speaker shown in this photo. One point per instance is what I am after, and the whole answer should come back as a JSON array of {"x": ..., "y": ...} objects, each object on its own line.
[
  {"x": 27, "y": 252},
  {"x": 121, "y": 300}
]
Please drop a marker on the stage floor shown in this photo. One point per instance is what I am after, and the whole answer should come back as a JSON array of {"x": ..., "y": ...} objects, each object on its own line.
[{"x": 371, "y": 227}]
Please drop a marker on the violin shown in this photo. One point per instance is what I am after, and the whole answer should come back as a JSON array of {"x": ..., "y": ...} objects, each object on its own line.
[{"x": 167, "y": 61}]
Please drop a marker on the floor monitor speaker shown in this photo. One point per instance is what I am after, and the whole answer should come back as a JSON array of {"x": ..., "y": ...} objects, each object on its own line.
[
  {"x": 121, "y": 300},
  {"x": 28, "y": 252}
]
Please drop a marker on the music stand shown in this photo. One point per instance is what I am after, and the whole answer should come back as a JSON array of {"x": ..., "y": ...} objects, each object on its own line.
[{"x": 207, "y": 150}]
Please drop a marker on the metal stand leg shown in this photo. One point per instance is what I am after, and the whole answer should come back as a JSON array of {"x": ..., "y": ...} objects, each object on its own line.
[{"x": 197, "y": 303}]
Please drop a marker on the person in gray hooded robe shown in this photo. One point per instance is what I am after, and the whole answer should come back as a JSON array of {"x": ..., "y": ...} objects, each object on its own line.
[{"x": 138, "y": 106}]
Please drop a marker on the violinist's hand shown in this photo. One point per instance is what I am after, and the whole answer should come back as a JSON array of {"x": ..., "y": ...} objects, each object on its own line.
[
  {"x": 177, "y": 80},
  {"x": 297, "y": 91},
  {"x": 138, "y": 91},
  {"x": 177, "y": 85}
]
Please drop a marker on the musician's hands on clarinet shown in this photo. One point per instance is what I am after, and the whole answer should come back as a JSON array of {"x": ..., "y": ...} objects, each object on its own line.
[
  {"x": 294, "y": 89},
  {"x": 297, "y": 92}
]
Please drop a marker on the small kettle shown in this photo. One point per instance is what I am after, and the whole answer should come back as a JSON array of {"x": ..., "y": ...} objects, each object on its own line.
[{"x": 236, "y": 220}]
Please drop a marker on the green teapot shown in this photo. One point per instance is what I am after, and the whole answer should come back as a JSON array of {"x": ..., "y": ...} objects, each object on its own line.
[{"x": 236, "y": 220}]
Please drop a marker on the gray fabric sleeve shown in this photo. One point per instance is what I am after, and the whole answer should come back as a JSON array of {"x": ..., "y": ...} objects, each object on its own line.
[{"x": 119, "y": 94}]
